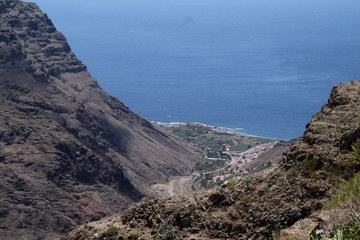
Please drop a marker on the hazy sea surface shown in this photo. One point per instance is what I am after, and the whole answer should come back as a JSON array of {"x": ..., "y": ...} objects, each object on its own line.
[{"x": 265, "y": 66}]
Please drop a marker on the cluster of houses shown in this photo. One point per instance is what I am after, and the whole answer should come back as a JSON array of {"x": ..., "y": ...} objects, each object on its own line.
[{"x": 239, "y": 165}]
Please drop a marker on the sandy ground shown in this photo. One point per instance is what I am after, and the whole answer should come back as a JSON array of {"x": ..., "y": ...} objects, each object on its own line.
[{"x": 176, "y": 186}]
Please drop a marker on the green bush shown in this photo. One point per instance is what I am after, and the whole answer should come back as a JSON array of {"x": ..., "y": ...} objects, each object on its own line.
[
  {"x": 345, "y": 233},
  {"x": 311, "y": 164},
  {"x": 168, "y": 232},
  {"x": 199, "y": 166},
  {"x": 352, "y": 232},
  {"x": 134, "y": 234},
  {"x": 112, "y": 230},
  {"x": 231, "y": 184},
  {"x": 275, "y": 234},
  {"x": 347, "y": 191},
  {"x": 354, "y": 157}
]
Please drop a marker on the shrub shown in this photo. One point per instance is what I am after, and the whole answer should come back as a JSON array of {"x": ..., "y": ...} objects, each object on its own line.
[
  {"x": 348, "y": 232},
  {"x": 275, "y": 234},
  {"x": 347, "y": 191},
  {"x": 352, "y": 232},
  {"x": 231, "y": 184},
  {"x": 314, "y": 235},
  {"x": 311, "y": 164},
  {"x": 112, "y": 230},
  {"x": 353, "y": 159},
  {"x": 134, "y": 235},
  {"x": 167, "y": 231}
]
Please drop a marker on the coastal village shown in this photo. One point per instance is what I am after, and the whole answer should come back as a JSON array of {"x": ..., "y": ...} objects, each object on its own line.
[
  {"x": 240, "y": 166},
  {"x": 229, "y": 154}
]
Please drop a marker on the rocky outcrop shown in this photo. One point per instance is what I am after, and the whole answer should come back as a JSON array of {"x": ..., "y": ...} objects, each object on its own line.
[
  {"x": 252, "y": 210},
  {"x": 69, "y": 152},
  {"x": 323, "y": 223},
  {"x": 330, "y": 133},
  {"x": 259, "y": 206}
]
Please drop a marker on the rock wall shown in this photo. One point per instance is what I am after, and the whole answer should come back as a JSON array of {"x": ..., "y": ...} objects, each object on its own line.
[{"x": 69, "y": 152}]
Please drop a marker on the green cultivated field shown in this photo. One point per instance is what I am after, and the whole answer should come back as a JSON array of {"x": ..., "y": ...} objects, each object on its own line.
[{"x": 214, "y": 141}]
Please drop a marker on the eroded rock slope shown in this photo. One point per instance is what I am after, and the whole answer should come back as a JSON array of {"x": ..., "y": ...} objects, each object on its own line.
[
  {"x": 69, "y": 152},
  {"x": 256, "y": 207}
]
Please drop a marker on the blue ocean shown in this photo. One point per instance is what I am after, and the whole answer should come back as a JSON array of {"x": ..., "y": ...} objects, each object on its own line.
[{"x": 263, "y": 67}]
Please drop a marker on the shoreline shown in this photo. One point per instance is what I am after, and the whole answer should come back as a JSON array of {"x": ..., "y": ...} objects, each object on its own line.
[
  {"x": 241, "y": 150},
  {"x": 214, "y": 128}
]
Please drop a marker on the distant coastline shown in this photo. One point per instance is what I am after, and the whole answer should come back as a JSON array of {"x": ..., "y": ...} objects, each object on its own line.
[{"x": 214, "y": 128}]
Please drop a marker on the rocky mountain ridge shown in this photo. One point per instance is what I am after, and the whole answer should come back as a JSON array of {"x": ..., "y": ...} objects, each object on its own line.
[
  {"x": 69, "y": 152},
  {"x": 288, "y": 198}
]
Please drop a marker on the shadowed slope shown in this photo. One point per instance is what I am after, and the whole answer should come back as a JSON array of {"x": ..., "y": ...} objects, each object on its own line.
[{"x": 69, "y": 152}]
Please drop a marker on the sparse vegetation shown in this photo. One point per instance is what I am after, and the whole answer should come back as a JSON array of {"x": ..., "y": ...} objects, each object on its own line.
[
  {"x": 214, "y": 141},
  {"x": 112, "y": 230},
  {"x": 168, "y": 232},
  {"x": 240, "y": 147},
  {"x": 275, "y": 234},
  {"x": 354, "y": 157},
  {"x": 213, "y": 164},
  {"x": 231, "y": 184},
  {"x": 134, "y": 234},
  {"x": 344, "y": 233},
  {"x": 311, "y": 164},
  {"x": 347, "y": 190},
  {"x": 314, "y": 235}
]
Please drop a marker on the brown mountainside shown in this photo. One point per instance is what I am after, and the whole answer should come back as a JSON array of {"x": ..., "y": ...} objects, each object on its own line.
[
  {"x": 69, "y": 152},
  {"x": 258, "y": 206}
]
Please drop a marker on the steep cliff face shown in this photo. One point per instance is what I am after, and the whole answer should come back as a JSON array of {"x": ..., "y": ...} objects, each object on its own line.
[
  {"x": 331, "y": 132},
  {"x": 257, "y": 207},
  {"x": 69, "y": 152}
]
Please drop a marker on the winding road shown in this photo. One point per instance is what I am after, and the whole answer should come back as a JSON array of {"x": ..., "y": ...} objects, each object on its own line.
[{"x": 184, "y": 184}]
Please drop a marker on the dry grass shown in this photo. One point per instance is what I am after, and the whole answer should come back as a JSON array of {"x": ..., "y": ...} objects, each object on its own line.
[{"x": 346, "y": 192}]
